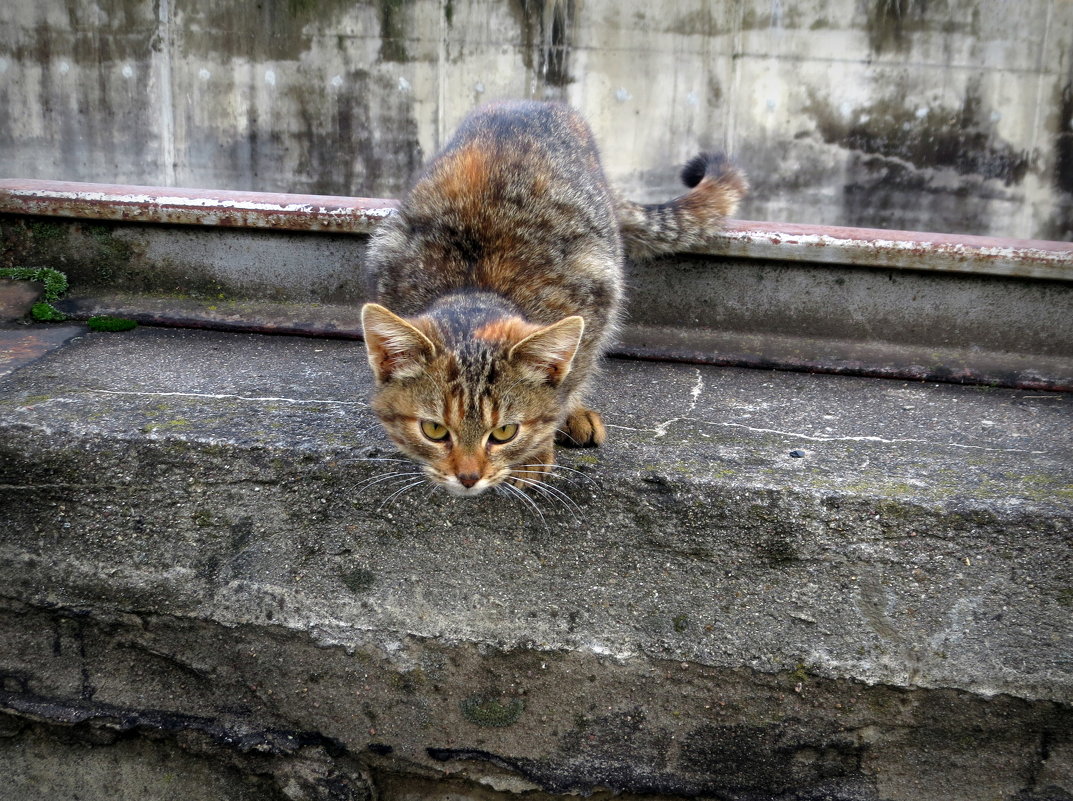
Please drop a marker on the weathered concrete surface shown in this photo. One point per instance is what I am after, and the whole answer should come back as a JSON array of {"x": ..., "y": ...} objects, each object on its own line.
[
  {"x": 740, "y": 309},
  {"x": 765, "y": 585},
  {"x": 888, "y": 113}
]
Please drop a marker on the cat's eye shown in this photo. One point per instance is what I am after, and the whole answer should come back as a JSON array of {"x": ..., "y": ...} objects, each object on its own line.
[
  {"x": 437, "y": 432},
  {"x": 504, "y": 433}
]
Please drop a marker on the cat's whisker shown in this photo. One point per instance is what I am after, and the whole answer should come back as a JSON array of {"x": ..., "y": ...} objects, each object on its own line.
[
  {"x": 398, "y": 492},
  {"x": 373, "y": 459},
  {"x": 364, "y": 485},
  {"x": 527, "y": 500},
  {"x": 543, "y": 471},
  {"x": 541, "y": 475},
  {"x": 551, "y": 468},
  {"x": 553, "y": 493}
]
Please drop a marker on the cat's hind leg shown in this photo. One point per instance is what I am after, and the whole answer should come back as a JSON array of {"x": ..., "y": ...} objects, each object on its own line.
[{"x": 582, "y": 428}]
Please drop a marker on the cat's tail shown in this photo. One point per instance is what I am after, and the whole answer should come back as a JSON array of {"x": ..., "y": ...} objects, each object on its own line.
[{"x": 716, "y": 187}]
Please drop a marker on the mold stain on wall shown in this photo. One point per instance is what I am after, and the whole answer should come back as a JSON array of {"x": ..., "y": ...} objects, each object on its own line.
[
  {"x": 963, "y": 140},
  {"x": 1060, "y": 225},
  {"x": 546, "y": 29},
  {"x": 901, "y": 157}
]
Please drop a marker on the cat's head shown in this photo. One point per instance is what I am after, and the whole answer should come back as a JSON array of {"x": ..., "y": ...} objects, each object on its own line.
[{"x": 473, "y": 407}]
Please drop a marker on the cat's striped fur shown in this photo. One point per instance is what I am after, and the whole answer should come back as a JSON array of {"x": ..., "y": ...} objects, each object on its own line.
[{"x": 499, "y": 284}]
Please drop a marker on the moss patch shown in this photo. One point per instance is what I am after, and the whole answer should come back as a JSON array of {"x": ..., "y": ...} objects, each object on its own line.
[
  {"x": 54, "y": 282},
  {"x": 483, "y": 710},
  {"x": 106, "y": 323}
]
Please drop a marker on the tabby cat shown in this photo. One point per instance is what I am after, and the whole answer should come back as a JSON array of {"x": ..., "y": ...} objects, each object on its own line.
[{"x": 499, "y": 284}]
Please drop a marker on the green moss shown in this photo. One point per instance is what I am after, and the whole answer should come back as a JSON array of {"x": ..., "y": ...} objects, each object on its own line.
[
  {"x": 45, "y": 231},
  {"x": 483, "y": 710},
  {"x": 680, "y": 622},
  {"x": 106, "y": 323},
  {"x": 409, "y": 681},
  {"x": 54, "y": 282},
  {"x": 46, "y": 313},
  {"x": 202, "y": 518},
  {"x": 799, "y": 673}
]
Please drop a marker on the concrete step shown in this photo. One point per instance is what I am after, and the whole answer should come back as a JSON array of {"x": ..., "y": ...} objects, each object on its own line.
[{"x": 765, "y": 585}]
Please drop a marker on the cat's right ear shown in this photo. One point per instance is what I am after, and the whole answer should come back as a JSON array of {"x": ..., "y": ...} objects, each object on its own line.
[
  {"x": 396, "y": 348},
  {"x": 548, "y": 353}
]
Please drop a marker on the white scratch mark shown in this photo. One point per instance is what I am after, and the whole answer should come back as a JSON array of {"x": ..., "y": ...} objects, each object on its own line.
[
  {"x": 225, "y": 397},
  {"x": 660, "y": 430},
  {"x": 698, "y": 388},
  {"x": 694, "y": 394}
]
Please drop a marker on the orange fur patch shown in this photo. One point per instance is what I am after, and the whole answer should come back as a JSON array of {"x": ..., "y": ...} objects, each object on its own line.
[
  {"x": 465, "y": 172},
  {"x": 506, "y": 329},
  {"x": 460, "y": 462}
]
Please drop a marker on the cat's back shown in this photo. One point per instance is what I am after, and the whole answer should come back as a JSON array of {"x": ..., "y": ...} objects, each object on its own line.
[
  {"x": 516, "y": 203},
  {"x": 516, "y": 158}
]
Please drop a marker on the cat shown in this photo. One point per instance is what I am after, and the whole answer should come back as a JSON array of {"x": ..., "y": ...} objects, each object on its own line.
[{"x": 499, "y": 284}]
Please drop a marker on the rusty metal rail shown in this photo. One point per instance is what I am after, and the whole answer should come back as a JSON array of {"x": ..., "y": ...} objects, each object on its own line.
[
  {"x": 896, "y": 304},
  {"x": 155, "y": 204},
  {"x": 863, "y": 247}
]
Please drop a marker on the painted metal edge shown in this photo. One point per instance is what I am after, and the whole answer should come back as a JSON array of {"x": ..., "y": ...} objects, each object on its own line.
[
  {"x": 205, "y": 207},
  {"x": 864, "y": 247},
  {"x": 912, "y": 250}
]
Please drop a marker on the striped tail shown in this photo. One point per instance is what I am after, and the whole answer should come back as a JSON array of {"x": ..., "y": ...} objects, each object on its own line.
[{"x": 688, "y": 221}]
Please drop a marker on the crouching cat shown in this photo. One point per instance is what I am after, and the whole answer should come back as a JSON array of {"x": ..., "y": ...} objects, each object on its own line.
[{"x": 499, "y": 284}]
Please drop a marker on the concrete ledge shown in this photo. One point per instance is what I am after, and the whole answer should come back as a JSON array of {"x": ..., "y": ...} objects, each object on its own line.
[
  {"x": 826, "y": 244},
  {"x": 792, "y": 306},
  {"x": 765, "y": 585}
]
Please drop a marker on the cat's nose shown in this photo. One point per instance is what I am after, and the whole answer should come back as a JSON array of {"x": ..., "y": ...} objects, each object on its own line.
[{"x": 467, "y": 480}]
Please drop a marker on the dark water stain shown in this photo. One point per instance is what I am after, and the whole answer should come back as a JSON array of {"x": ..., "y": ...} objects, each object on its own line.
[
  {"x": 936, "y": 169},
  {"x": 890, "y": 24},
  {"x": 264, "y": 30},
  {"x": 1060, "y": 224},
  {"x": 355, "y": 139},
  {"x": 546, "y": 28},
  {"x": 1063, "y": 141},
  {"x": 767, "y": 758},
  {"x": 963, "y": 139},
  {"x": 890, "y": 21},
  {"x": 393, "y": 26},
  {"x": 362, "y": 141}
]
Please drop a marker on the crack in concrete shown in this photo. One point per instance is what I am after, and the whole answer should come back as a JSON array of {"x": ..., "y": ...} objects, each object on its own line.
[
  {"x": 694, "y": 394},
  {"x": 226, "y": 397},
  {"x": 660, "y": 430}
]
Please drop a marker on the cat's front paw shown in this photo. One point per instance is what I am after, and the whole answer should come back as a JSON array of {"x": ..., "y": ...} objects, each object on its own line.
[{"x": 582, "y": 429}]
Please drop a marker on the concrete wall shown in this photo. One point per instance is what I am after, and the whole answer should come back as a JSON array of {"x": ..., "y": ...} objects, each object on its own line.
[{"x": 944, "y": 115}]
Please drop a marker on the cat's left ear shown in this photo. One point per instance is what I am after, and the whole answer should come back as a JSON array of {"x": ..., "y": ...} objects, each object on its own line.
[
  {"x": 396, "y": 348},
  {"x": 549, "y": 352}
]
